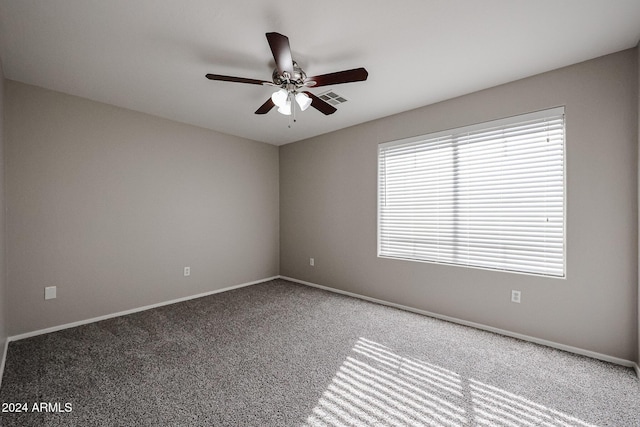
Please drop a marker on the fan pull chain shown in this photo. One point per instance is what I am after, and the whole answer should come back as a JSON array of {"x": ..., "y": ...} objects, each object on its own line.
[
  {"x": 293, "y": 109},
  {"x": 293, "y": 106}
]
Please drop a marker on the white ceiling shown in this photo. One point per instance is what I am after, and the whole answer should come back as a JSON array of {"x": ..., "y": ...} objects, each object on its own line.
[{"x": 152, "y": 55}]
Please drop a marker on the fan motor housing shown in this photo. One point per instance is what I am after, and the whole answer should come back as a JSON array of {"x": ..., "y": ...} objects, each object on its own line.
[{"x": 298, "y": 77}]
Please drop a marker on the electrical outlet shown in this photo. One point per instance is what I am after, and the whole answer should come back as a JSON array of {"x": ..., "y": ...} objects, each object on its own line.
[
  {"x": 515, "y": 296},
  {"x": 187, "y": 271},
  {"x": 50, "y": 292},
  {"x": 312, "y": 262}
]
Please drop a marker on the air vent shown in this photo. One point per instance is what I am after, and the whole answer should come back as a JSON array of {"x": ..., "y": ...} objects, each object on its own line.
[{"x": 332, "y": 98}]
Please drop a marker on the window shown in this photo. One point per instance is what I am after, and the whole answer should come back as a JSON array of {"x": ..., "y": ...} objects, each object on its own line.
[{"x": 488, "y": 195}]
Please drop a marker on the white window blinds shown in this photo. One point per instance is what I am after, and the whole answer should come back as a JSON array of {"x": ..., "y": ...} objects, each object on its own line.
[{"x": 489, "y": 195}]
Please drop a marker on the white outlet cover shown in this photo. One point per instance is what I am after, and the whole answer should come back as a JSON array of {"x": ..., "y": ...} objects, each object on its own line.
[
  {"x": 312, "y": 262},
  {"x": 50, "y": 292},
  {"x": 515, "y": 296},
  {"x": 187, "y": 271}
]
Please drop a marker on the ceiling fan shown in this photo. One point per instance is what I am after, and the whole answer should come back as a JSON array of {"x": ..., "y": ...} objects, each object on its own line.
[{"x": 291, "y": 79}]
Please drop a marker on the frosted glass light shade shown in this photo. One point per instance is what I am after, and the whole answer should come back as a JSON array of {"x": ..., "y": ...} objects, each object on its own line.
[
  {"x": 280, "y": 97},
  {"x": 285, "y": 109},
  {"x": 303, "y": 101}
]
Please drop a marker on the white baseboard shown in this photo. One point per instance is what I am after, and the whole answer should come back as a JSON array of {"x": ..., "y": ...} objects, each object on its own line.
[
  {"x": 568, "y": 348},
  {"x": 133, "y": 310},
  {"x": 4, "y": 359}
]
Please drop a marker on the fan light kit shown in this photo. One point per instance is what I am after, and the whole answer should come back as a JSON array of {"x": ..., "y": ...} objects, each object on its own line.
[
  {"x": 282, "y": 99},
  {"x": 291, "y": 79}
]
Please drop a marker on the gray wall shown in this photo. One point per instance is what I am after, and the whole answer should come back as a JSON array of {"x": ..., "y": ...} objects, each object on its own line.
[
  {"x": 109, "y": 205},
  {"x": 328, "y": 211},
  {"x": 3, "y": 283}
]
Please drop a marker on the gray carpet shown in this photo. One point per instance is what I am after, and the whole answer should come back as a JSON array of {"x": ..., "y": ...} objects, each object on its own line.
[{"x": 282, "y": 354}]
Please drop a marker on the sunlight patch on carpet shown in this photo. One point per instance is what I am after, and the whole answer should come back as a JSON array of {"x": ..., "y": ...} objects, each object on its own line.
[
  {"x": 494, "y": 406},
  {"x": 377, "y": 386}
]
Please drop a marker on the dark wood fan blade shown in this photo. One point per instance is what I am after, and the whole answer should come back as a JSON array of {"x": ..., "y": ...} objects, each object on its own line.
[
  {"x": 320, "y": 105},
  {"x": 347, "y": 76},
  {"x": 236, "y": 79},
  {"x": 266, "y": 107},
  {"x": 281, "y": 51}
]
